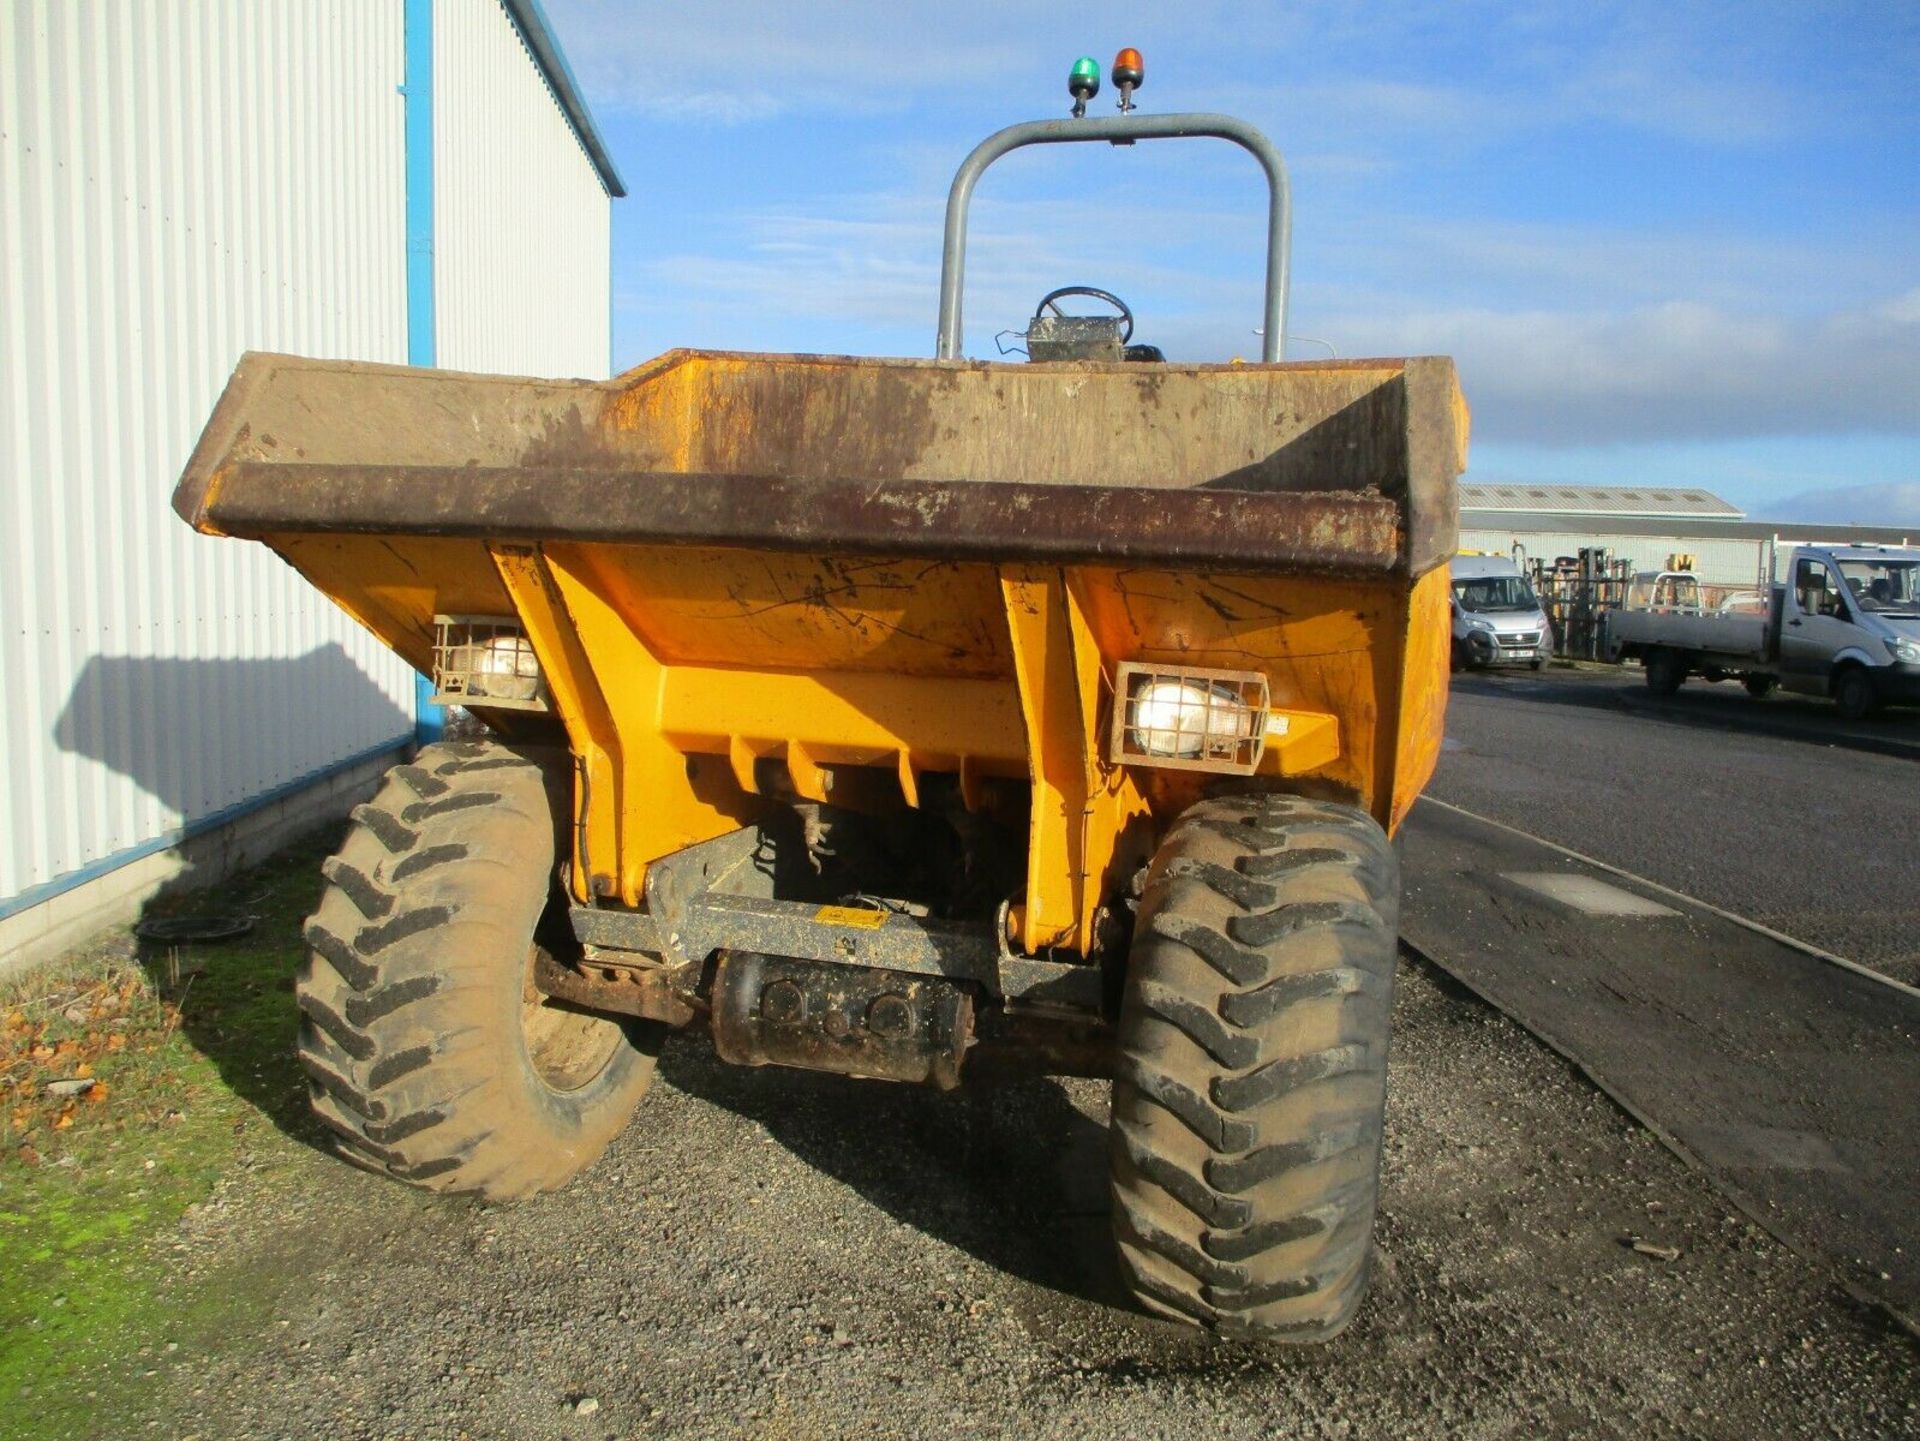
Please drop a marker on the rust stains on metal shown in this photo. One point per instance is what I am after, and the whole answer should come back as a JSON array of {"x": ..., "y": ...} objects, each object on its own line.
[
  {"x": 653, "y": 993},
  {"x": 564, "y": 437},
  {"x": 854, "y": 1021},
  {"x": 1245, "y": 531},
  {"x": 780, "y": 419}
]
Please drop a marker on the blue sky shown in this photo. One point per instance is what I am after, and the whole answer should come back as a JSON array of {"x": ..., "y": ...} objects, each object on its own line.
[{"x": 1666, "y": 243}]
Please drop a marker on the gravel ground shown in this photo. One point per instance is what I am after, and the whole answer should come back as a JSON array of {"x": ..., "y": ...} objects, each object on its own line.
[
  {"x": 1792, "y": 830},
  {"x": 768, "y": 1254}
]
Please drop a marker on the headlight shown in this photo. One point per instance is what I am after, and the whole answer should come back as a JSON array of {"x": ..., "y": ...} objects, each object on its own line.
[
  {"x": 510, "y": 672},
  {"x": 1485, "y": 625},
  {"x": 1176, "y": 718},
  {"x": 485, "y": 660},
  {"x": 1185, "y": 716},
  {"x": 1907, "y": 652}
]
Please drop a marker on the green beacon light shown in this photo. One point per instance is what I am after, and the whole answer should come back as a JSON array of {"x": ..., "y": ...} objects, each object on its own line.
[{"x": 1083, "y": 83}]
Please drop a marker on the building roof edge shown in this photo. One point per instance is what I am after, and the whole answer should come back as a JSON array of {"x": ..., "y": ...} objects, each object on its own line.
[{"x": 534, "y": 27}]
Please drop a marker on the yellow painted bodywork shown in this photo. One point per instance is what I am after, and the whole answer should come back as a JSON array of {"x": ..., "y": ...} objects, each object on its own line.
[
  {"x": 697, "y": 683},
  {"x": 685, "y": 677}
]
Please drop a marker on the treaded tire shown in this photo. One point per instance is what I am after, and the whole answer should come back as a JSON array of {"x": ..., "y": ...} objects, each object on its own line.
[
  {"x": 1248, "y": 1099},
  {"x": 1759, "y": 686},
  {"x": 1664, "y": 672},
  {"x": 415, "y": 1003},
  {"x": 1853, "y": 693}
]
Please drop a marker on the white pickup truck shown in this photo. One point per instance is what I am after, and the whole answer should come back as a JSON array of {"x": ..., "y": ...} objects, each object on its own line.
[{"x": 1839, "y": 621}]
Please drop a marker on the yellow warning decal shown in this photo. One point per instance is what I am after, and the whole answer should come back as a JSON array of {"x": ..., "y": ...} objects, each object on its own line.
[{"x": 855, "y": 916}]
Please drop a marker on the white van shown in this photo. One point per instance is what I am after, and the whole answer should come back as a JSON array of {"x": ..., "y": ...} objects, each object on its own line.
[{"x": 1497, "y": 619}]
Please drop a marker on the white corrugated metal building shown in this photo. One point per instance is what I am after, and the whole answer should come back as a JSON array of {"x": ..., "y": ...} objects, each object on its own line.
[{"x": 389, "y": 180}]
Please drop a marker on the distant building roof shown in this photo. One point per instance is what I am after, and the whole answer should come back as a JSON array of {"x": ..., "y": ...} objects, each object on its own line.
[
  {"x": 535, "y": 29},
  {"x": 1484, "y": 528},
  {"x": 1621, "y": 500}
]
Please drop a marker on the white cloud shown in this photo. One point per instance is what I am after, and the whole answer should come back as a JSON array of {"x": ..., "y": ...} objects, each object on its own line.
[
  {"x": 1893, "y": 503},
  {"x": 1363, "y": 105},
  {"x": 1327, "y": 73},
  {"x": 1694, "y": 72},
  {"x": 874, "y": 261},
  {"x": 1674, "y": 371},
  {"x": 735, "y": 61},
  {"x": 1594, "y": 265},
  {"x": 1903, "y": 309}
]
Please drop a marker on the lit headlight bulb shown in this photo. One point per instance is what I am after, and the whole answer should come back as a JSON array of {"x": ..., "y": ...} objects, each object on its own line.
[
  {"x": 1183, "y": 718},
  {"x": 511, "y": 670}
]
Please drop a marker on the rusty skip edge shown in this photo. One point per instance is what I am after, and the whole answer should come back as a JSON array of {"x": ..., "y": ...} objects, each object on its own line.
[{"x": 1249, "y": 531}]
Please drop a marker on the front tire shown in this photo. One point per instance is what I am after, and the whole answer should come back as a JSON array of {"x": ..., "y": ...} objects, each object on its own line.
[
  {"x": 428, "y": 1052},
  {"x": 1248, "y": 1102},
  {"x": 1664, "y": 672},
  {"x": 1853, "y": 693},
  {"x": 1759, "y": 686}
]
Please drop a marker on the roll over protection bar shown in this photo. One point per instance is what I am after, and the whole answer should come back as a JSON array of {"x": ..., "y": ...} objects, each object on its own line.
[{"x": 1120, "y": 130}]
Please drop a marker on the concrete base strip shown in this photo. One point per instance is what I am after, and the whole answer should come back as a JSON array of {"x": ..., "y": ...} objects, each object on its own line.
[
  {"x": 1792, "y": 1086},
  {"x": 72, "y": 916}
]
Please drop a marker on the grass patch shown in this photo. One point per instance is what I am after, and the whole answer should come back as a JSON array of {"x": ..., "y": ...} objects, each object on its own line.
[{"x": 130, "y": 1083}]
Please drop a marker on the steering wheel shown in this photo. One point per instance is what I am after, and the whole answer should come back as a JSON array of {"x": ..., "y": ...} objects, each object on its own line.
[{"x": 1051, "y": 301}]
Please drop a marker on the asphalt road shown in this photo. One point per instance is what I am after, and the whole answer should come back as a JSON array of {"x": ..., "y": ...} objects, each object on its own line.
[
  {"x": 1791, "y": 1081},
  {"x": 1777, "y": 810}
]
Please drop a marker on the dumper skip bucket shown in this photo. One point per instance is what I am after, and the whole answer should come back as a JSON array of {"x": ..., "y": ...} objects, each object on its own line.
[{"x": 860, "y": 574}]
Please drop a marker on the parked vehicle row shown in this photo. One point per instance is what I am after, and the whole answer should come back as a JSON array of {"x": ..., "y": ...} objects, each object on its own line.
[{"x": 1838, "y": 621}]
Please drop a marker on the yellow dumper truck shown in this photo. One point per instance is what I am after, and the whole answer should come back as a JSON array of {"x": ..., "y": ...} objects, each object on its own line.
[{"x": 899, "y": 718}]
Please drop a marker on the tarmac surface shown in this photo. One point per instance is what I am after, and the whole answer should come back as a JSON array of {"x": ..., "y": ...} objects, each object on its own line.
[
  {"x": 1789, "y": 1080},
  {"x": 1776, "y": 810}
]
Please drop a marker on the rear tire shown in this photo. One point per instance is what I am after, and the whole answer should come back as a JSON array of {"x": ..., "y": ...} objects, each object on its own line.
[
  {"x": 1664, "y": 672},
  {"x": 1759, "y": 686},
  {"x": 1853, "y": 693},
  {"x": 1248, "y": 1103},
  {"x": 429, "y": 1054}
]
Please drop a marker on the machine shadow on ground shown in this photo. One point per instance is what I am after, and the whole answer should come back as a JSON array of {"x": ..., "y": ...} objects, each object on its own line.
[
  {"x": 1011, "y": 1171},
  {"x": 156, "y": 721},
  {"x": 235, "y": 997}
]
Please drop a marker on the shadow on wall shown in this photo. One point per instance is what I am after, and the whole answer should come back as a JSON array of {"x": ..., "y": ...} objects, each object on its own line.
[
  {"x": 1361, "y": 446},
  {"x": 201, "y": 736},
  {"x": 206, "y": 738}
]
